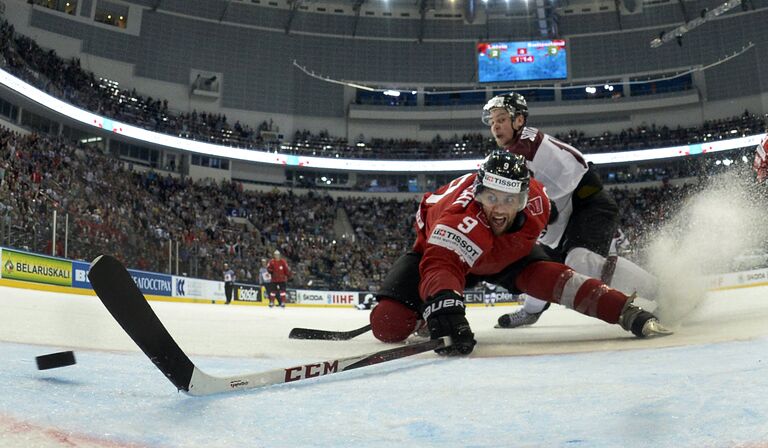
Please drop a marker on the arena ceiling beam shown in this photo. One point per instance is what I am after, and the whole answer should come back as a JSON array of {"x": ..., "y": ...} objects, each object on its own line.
[{"x": 704, "y": 17}]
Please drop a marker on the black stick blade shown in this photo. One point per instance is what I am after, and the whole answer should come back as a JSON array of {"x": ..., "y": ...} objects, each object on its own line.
[
  {"x": 120, "y": 295},
  {"x": 326, "y": 335}
]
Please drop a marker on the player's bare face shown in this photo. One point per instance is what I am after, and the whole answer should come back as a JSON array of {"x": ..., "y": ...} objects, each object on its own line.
[
  {"x": 502, "y": 127},
  {"x": 499, "y": 208}
]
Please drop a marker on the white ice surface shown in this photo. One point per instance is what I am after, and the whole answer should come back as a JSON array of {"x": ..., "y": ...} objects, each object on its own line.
[{"x": 581, "y": 383}]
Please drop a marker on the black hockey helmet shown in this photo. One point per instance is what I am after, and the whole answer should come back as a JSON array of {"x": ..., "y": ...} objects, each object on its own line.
[
  {"x": 505, "y": 172},
  {"x": 513, "y": 102}
]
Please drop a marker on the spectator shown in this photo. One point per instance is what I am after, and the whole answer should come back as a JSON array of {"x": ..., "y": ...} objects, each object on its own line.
[{"x": 66, "y": 80}]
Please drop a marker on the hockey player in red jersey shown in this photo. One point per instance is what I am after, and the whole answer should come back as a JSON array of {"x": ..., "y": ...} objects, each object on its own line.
[
  {"x": 280, "y": 272},
  {"x": 586, "y": 216},
  {"x": 484, "y": 227},
  {"x": 760, "y": 163}
]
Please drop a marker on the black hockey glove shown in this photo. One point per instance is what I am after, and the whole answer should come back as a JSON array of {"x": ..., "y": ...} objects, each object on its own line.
[{"x": 444, "y": 315}]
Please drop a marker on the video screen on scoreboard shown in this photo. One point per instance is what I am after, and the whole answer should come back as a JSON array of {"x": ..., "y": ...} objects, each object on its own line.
[{"x": 521, "y": 61}]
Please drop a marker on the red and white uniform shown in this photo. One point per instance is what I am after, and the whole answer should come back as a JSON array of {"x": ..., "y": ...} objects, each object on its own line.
[
  {"x": 279, "y": 270},
  {"x": 760, "y": 164},
  {"x": 455, "y": 239},
  {"x": 557, "y": 165}
]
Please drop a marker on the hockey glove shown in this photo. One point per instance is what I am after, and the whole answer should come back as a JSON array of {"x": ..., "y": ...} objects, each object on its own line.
[{"x": 445, "y": 316}]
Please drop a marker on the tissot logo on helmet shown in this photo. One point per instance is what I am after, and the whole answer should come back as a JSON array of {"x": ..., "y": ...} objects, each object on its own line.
[
  {"x": 503, "y": 171},
  {"x": 495, "y": 182}
]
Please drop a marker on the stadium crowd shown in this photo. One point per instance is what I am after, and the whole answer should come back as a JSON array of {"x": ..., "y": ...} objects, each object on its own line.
[
  {"x": 146, "y": 216},
  {"x": 110, "y": 207},
  {"x": 66, "y": 80},
  {"x": 113, "y": 207}
]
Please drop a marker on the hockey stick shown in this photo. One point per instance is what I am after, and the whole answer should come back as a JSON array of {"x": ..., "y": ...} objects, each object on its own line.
[
  {"x": 327, "y": 335},
  {"x": 120, "y": 295}
]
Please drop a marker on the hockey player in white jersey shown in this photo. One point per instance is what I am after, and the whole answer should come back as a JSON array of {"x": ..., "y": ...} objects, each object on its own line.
[
  {"x": 760, "y": 163},
  {"x": 587, "y": 217}
]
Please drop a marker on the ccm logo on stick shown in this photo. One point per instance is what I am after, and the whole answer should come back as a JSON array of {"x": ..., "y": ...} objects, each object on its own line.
[{"x": 310, "y": 370}]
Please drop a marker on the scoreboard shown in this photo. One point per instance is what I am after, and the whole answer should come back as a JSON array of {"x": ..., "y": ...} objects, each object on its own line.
[{"x": 522, "y": 61}]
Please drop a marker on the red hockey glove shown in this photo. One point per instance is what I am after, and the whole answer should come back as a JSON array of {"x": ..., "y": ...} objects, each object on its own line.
[{"x": 444, "y": 314}]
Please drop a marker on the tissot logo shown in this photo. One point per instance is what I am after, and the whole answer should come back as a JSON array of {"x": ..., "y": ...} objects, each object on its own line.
[
  {"x": 455, "y": 241},
  {"x": 491, "y": 180}
]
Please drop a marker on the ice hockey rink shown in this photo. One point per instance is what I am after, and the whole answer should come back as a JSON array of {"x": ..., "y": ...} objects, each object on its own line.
[{"x": 568, "y": 381}]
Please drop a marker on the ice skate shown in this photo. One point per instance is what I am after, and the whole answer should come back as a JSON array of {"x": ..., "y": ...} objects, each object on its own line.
[
  {"x": 519, "y": 318},
  {"x": 420, "y": 334},
  {"x": 641, "y": 323}
]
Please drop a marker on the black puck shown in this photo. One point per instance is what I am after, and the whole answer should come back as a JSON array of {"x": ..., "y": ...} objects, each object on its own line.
[{"x": 54, "y": 360}]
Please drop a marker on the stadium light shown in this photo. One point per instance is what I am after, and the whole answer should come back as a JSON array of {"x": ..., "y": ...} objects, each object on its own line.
[{"x": 82, "y": 116}]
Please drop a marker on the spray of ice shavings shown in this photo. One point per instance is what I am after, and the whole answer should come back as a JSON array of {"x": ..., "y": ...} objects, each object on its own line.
[{"x": 702, "y": 238}]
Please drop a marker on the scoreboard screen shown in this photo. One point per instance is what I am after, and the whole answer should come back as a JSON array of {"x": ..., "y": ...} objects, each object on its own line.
[{"x": 522, "y": 61}]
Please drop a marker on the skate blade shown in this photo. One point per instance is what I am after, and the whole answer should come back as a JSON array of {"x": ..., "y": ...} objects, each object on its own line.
[{"x": 653, "y": 329}]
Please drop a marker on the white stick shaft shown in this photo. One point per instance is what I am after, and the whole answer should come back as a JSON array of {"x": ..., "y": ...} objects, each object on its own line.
[{"x": 202, "y": 383}]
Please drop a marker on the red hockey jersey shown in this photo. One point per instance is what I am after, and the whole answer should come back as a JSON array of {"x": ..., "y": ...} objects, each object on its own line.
[
  {"x": 455, "y": 239},
  {"x": 279, "y": 270}
]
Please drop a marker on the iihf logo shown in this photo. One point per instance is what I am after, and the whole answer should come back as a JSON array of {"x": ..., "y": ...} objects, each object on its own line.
[{"x": 180, "y": 287}]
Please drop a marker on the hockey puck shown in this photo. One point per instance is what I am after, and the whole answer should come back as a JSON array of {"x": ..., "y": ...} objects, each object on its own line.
[{"x": 54, "y": 360}]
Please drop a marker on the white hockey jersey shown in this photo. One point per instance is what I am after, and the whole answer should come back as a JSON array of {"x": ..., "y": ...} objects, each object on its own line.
[
  {"x": 559, "y": 166},
  {"x": 619, "y": 243},
  {"x": 760, "y": 163}
]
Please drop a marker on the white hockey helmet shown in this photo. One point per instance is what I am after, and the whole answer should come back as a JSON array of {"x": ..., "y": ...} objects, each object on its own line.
[{"x": 513, "y": 102}]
